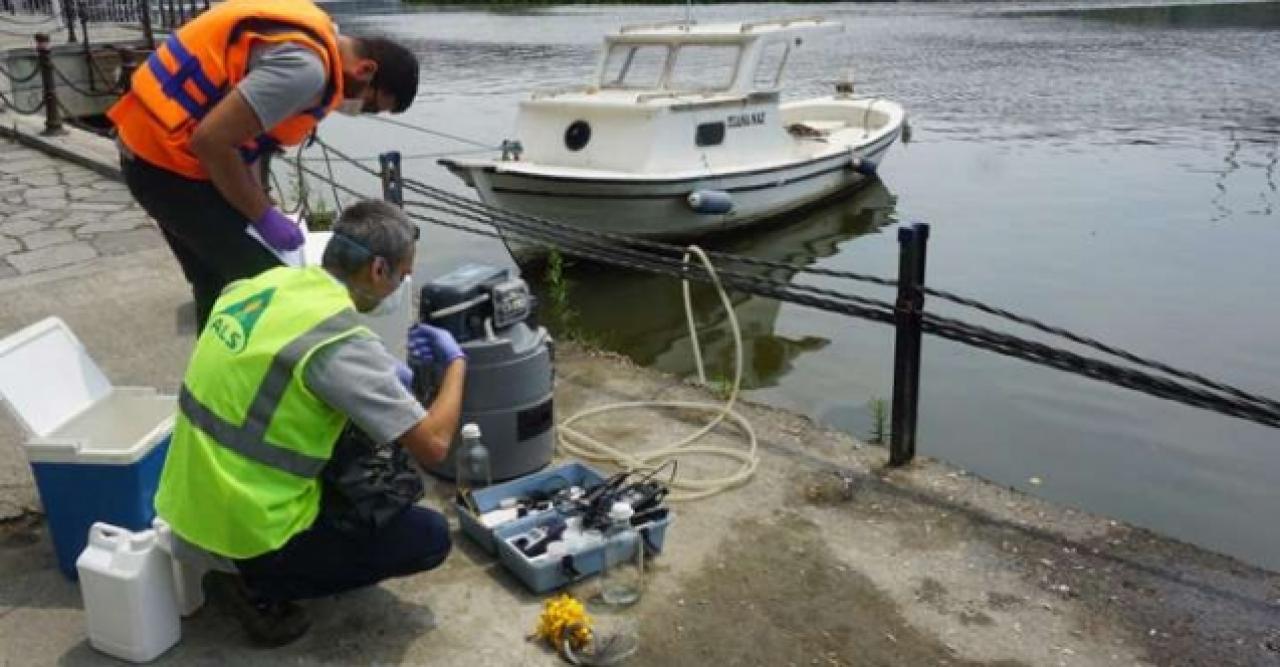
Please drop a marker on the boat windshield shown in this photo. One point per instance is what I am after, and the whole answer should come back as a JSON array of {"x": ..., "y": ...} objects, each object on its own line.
[{"x": 693, "y": 67}]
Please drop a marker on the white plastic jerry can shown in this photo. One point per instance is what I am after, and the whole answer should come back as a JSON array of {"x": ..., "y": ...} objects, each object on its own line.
[{"x": 127, "y": 584}]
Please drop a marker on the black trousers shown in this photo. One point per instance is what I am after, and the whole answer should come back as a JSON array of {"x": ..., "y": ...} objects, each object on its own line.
[
  {"x": 205, "y": 232},
  {"x": 325, "y": 559}
]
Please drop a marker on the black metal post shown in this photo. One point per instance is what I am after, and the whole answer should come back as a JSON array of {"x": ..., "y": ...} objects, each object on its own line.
[
  {"x": 52, "y": 115},
  {"x": 128, "y": 65},
  {"x": 148, "y": 34},
  {"x": 908, "y": 313},
  {"x": 169, "y": 15},
  {"x": 392, "y": 187},
  {"x": 88, "y": 48},
  {"x": 69, "y": 17}
]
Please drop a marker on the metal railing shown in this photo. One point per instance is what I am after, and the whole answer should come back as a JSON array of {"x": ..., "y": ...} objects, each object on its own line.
[
  {"x": 48, "y": 79},
  {"x": 149, "y": 16},
  {"x": 428, "y": 204},
  {"x": 28, "y": 8}
]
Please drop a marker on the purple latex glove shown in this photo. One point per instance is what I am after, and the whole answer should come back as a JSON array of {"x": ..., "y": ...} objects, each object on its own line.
[
  {"x": 278, "y": 231},
  {"x": 404, "y": 374},
  {"x": 429, "y": 344}
]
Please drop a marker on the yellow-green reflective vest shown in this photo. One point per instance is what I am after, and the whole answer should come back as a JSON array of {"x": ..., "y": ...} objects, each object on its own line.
[{"x": 242, "y": 473}]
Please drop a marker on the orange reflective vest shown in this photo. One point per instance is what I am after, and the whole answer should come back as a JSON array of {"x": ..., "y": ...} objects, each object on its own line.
[{"x": 204, "y": 60}]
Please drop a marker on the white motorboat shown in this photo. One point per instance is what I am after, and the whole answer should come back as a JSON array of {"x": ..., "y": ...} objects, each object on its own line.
[{"x": 682, "y": 134}]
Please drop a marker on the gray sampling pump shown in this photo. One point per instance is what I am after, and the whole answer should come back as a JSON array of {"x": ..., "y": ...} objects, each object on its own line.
[{"x": 509, "y": 379}]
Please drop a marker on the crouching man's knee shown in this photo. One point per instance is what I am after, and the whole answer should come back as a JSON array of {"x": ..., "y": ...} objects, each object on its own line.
[{"x": 426, "y": 539}]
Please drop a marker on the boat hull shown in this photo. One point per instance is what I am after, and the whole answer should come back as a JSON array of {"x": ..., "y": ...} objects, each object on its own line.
[{"x": 659, "y": 208}]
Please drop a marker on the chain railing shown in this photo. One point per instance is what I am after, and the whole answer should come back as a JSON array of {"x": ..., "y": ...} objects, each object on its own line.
[
  {"x": 432, "y": 205},
  {"x": 46, "y": 78}
]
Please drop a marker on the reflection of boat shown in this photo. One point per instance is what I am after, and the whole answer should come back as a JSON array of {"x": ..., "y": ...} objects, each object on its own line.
[
  {"x": 652, "y": 330},
  {"x": 682, "y": 134}
]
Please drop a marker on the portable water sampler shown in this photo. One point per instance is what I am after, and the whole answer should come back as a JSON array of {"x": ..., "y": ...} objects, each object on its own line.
[{"x": 509, "y": 379}]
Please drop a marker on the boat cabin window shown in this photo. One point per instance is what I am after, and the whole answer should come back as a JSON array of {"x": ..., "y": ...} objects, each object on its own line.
[
  {"x": 773, "y": 59},
  {"x": 635, "y": 66},
  {"x": 704, "y": 67}
]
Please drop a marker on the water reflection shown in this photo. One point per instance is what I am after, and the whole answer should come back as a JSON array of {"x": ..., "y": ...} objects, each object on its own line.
[{"x": 651, "y": 327}]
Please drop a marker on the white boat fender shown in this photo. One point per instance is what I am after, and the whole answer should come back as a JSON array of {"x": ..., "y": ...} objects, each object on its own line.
[
  {"x": 862, "y": 166},
  {"x": 710, "y": 202}
]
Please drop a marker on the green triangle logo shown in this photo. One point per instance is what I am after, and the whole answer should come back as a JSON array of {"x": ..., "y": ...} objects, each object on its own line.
[{"x": 234, "y": 324}]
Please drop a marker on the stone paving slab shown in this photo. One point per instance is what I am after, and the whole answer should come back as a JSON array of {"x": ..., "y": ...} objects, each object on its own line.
[{"x": 54, "y": 213}]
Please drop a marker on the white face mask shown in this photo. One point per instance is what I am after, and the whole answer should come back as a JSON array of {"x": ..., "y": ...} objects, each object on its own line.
[
  {"x": 393, "y": 301},
  {"x": 351, "y": 107}
]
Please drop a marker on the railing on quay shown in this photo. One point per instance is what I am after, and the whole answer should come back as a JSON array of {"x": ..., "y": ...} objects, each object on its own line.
[
  {"x": 30, "y": 10},
  {"x": 907, "y": 314},
  {"x": 46, "y": 77},
  {"x": 149, "y": 16}
]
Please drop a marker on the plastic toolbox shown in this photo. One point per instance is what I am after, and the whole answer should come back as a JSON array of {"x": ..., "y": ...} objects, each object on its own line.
[
  {"x": 547, "y": 573},
  {"x": 549, "y": 480}
]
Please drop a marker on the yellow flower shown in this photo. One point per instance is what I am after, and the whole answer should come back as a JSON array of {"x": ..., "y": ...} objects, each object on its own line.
[{"x": 563, "y": 616}]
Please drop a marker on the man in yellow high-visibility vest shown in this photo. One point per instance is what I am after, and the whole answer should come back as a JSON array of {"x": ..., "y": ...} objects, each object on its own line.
[{"x": 281, "y": 369}]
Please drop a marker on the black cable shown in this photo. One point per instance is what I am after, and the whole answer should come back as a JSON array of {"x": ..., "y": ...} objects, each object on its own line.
[
  {"x": 116, "y": 87},
  {"x": 82, "y": 91},
  {"x": 434, "y": 133},
  {"x": 337, "y": 201},
  {"x": 13, "y": 80},
  {"x": 1103, "y": 347},
  {"x": 10, "y": 104},
  {"x": 409, "y": 156}
]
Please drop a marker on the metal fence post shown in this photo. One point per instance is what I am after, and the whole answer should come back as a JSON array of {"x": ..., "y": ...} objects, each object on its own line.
[
  {"x": 148, "y": 34},
  {"x": 88, "y": 48},
  {"x": 908, "y": 313},
  {"x": 128, "y": 65},
  {"x": 52, "y": 115},
  {"x": 69, "y": 17},
  {"x": 392, "y": 187}
]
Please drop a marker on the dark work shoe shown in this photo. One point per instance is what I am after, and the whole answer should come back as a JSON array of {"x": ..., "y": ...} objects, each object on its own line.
[{"x": 268, "y": 624}]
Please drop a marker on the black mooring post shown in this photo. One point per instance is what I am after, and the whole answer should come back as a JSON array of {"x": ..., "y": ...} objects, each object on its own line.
[
  {"x": 148, "y": 33},
  {"x": 88, "y": 48},
  {"x": 69, "y": 18},
  {"x": 52, "y": 114},
  {"x": 392, "y": 187},
  {"x": 908, "y": 313}
]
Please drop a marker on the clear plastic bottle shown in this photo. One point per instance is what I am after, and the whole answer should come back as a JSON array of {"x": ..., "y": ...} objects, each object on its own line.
[
  {"x": 623, "y": 578},
  {"x": 472, "y": 467}
]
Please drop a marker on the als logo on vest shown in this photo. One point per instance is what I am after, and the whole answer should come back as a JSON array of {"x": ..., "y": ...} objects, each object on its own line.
[{"x": 234, "y": 324}]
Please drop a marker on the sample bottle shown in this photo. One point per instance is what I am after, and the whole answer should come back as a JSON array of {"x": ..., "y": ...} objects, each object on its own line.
[
  {"x": 471, "y": 466},
  {"x": 623, "y": 576}
]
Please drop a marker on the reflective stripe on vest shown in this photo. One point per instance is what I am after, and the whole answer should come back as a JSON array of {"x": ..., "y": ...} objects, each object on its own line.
[
  {"x": 188, "y": 69},
  {"x": 249, "y": 440}
]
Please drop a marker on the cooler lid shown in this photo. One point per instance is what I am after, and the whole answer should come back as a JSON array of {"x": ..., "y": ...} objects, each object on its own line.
[{"x": 47, "y": 377}]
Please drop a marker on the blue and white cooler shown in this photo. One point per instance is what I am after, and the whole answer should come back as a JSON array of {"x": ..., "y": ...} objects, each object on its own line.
[{"x": 95, "y": 450}]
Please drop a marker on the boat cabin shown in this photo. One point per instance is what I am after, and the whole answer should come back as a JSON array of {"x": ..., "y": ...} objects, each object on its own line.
[{"x": 672, "y": 98}]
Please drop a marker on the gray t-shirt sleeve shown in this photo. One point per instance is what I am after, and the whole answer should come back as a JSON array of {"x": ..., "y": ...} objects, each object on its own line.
[
  {"x": 283, "y": 79},
  {"x": 356, "y": 376}
]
